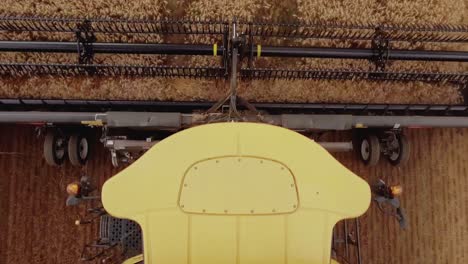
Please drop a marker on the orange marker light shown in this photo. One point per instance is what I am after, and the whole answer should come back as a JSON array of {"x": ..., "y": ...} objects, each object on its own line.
[
  {"x": 396, "y": 190},
  {"x": 73, "y": 189}
]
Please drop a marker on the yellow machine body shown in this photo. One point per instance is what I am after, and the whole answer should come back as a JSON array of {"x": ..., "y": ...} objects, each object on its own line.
[
  {"x": 236, "y": 193},
  {"x": 134, "y": 260}
]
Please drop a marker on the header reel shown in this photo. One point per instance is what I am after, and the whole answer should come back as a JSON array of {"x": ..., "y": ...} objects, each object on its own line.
[
  {"x": 89, "y": 37},
  {"x": 241, "y": 50}
]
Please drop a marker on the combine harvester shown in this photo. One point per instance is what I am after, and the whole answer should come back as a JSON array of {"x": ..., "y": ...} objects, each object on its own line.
[{"x": 226, "y": 184}]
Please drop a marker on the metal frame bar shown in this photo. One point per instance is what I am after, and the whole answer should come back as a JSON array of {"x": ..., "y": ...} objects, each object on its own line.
[
  {"x": 139, "y": 145},
  {"x": 111, "y": 48},
  {"x": 349, "y": 239},
  {"x": 176, "y": 121},
  {"x": 77, "y": 105},
  {"x": 353, "y": 53},
  {"x": 358, "y": 240}
]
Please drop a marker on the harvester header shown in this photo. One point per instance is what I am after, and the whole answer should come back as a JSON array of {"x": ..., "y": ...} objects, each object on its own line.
[{"x": 217, "y": 39}]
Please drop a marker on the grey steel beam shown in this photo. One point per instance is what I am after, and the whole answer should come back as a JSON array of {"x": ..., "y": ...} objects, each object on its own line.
[
  {"x": 48, "y": 117},
  {"x": 410, "y": 121},
  {"x": 346, "y": 122},
  {"x": 143, "y": 119},
  {"x": 174, "y": 120},
  {"x": 77, "y": 105},
  {"x": 138, "y": 145}
]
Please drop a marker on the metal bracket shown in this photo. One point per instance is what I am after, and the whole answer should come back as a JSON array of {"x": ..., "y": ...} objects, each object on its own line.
[
  {"x": 251, "y": 46},
  {"x": 389, "y": 140},
  {"x": 381, "y": 48},
  {"x": 85, "y": 39},
  {"x": 226, "y": 54}
]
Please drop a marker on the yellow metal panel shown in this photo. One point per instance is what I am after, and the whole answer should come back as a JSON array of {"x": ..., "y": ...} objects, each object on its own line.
[
  {"x": 303, "y": 241},
  {"x": 238, "y": 185},
  {"x": 263, "y": 243},
  {"x": 166, "y": 237},
  {"x": 160, "y": 171},
  {"x": 323, "y": 183},
  {"x": 134, "y": 260},
  {"x": 204, "y": 246},
  {"x": 149, "y": 190}
]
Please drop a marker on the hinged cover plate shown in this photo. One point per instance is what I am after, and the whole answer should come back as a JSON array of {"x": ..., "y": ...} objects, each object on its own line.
[{"x": 238, "y": 185}]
